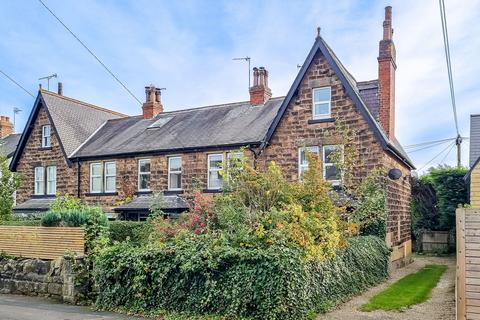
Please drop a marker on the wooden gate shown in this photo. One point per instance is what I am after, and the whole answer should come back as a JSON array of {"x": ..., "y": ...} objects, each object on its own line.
[
  {"x": 468, "y": 264},
  {"x": 41, "y": 242}
]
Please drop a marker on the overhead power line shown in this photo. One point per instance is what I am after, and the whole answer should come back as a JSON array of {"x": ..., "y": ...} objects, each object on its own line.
[
  {"x": 436, "y": 156},
  {"x": 90, "y": 51},
  {"x": 430, "y": 146},
  {"x": 427, "y": 143},
  {"x": 17, "y": 84}
]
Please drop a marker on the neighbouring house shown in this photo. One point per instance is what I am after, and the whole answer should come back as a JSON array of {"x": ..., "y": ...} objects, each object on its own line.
[
  {"x": 8, "y": 139},
  {"x": 105, "y": 158},
  {"x": 472, "y": 178}
]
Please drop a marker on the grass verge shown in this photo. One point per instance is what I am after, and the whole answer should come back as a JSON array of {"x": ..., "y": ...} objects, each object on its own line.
[{"x": 412, "y": 289}]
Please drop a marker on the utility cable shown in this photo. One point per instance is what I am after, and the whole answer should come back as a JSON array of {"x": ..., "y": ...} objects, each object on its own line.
[
  {"x": 431, "y": 160},
  {"x": 449, "y": 150},
  {"x": 16, "y": 83},
  {"x": 429, "y": 146},
  {"x": 90, "y": 51}
]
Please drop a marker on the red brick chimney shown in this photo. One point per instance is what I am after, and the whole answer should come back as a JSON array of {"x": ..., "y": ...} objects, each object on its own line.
[
  {"x": 153, "y": 105},
  {"x": 386, "y": 76},
  {"x": 6, "y": 127},
  {"x": 260, "y": 92}
]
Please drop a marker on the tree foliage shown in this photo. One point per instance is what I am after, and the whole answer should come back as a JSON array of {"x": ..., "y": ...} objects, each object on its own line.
[{"x": 9, "y": 183}]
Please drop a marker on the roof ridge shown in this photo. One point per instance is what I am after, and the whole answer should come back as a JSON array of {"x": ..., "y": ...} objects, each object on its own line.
[
  {"x": 86, "y": 104},
  {"x": 229, "y": 104}
]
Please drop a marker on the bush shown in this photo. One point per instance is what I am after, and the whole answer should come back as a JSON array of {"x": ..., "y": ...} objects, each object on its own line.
[
  {"x": 22, "y": 222},
  {"x": 450, "y": 192},
  {"x": 51, "y": 219},
  {"x": 9, "y": 183},
  {"x": 204, "y": 275},
  {"x": 135, "y": 232},
  {"x": 74, "y": 217}
]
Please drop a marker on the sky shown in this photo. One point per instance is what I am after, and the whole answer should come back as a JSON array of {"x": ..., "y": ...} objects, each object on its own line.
[{"x": 187, "y": 47}]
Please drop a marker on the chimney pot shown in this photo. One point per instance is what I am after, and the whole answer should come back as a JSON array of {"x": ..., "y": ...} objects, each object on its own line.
[
  {"x": 153, "y": 105},
  {"x": 260, "y": 92},
  {"x": 60, "y": 89}
]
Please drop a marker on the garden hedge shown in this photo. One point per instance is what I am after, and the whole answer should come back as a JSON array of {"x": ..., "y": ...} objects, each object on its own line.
[
  {"x": 133, "y": 231},
  {"x": 202, "y": 276}
]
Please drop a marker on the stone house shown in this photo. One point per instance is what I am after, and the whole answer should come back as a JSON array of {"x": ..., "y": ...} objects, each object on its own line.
[
  {"x": 104, "y": 157},
  {"x": 472, "y": 178}
]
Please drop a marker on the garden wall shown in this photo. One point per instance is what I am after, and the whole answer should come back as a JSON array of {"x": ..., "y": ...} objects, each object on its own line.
[{"x": 34, "y": 277}]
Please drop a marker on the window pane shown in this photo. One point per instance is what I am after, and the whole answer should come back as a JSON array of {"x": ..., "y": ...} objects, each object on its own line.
[
  {"x": 215, "y": 180},
  {"x": 322, "y": 108},
  {"x": 175, "y": 181},
  {"x": 175, "y": 164},
  {"x": 97, "y": 184},
  {"x": 96, "y": 169},
  {"x": 144, "y": 182},
  {"x": 145, "y": 166},
  {"x": 215, "y": 161},
  {"x": 331, "y": 173},
  {"x": 110, "y": 184},
  {"x": 328, "y": 150},
  {"x": 110, "y": 169},
  {"x": 321, "y": 94}
]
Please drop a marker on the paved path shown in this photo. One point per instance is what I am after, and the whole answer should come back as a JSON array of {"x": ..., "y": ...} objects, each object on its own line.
[
  {"x": 441, "y": 306},
  {"x": 13, "y": 307}
]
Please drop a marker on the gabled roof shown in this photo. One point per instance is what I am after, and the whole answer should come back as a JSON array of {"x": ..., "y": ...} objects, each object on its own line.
[
  {"x": 73, "y": 121},
  {"x": 353, "y": 92},
  {"x": 474, "y": 138},
  {"x": 234, "y": 124},
  {"x": 8, "y": 144}
]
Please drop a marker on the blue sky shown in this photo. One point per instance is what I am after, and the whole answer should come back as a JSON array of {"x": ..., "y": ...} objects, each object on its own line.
[{"x": 188, "y": 46}]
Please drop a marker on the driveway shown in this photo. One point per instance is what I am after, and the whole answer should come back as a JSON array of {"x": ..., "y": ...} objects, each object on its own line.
[
  {"x": 441, "y": 305},
  {"x": 13, "y": 307}
]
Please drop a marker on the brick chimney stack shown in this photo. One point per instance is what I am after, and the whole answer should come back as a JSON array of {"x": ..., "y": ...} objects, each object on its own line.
[
  {"x": 386, "y": 76},
  {"x": 6, "y": 127},
  {"x": 60, "y": 89},
  {"x": 153, "y": 105},
  {"x": 260, "y": 92}
]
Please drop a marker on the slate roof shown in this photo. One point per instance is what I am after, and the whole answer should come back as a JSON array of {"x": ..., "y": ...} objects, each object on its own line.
[
  {"x": 142, "y": 203},
  {"x": 369, "y": 93},
  {"x": 8, "y": 144},
  {"x": 75, "y": 120},
  {"x": 219, "y": 125},
  {"x": 33, "y": 206}
]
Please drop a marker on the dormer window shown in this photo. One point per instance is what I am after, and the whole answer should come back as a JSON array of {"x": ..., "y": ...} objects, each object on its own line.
[
  {"x": 322, "y": 103},
  {"x": 46, "y": 136}
]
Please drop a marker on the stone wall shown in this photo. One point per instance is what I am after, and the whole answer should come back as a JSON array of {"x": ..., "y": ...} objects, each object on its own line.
[{"x": 35, "y": 277}]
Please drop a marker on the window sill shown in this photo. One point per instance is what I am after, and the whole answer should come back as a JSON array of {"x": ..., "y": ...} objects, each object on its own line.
[
  {"x": 101, "y": 194},
  {"x": 326, "y": 120},
  {"x": 172, "y": 192},
  {"x": 212, "y": 190},
  {"x": 45, "y": 148},
  {"x": 42, "y": 196},
  {"x": 139, "y": 193}
]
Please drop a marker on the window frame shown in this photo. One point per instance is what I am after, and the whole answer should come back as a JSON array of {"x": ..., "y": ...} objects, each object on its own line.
[
  {"x": 325, "y": 164},
  {"x": 47, "y": 138},
  {"x": 149, "y": 173},
  {"x": 106, "y": 176},
  {"x": 42, "y": 184},
  {"x": 209, "y": 169},
  {"x": 169, "y": 171},
  {"x": 48, "y": 180},
  {"x": 92, "y": 176},
  {"x": 314, "y": 103},
  {"x": 303, "y": 166}
]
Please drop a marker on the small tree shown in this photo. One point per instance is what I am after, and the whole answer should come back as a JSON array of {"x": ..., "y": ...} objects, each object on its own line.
[{"x": 9, "y": 183}]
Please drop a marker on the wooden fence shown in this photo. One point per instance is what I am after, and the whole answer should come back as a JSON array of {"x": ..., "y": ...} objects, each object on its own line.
[{"x": 41, "y": 242}]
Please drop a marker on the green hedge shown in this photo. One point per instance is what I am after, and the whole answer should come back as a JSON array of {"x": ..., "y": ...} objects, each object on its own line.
[
  {"x": 135, "y": 232},
  {"x": 204, "y": 276}
]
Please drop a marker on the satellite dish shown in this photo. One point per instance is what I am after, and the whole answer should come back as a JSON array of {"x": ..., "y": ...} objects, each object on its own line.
[{"x": 394, "y": 174}]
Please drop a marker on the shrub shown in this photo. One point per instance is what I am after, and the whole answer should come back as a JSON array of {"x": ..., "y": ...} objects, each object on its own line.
[
  {"x": 74, "y": 217},
  {"x": 51, "y": 219},
  {"x": 205, "y": 275},
  {"x": 22, "y": 222},
  {"x": 135, "y": 232},
  {"x": 450, "y": 191},
  {"x": 66, "y": 202},
  {"x": 9, "y": 183}
]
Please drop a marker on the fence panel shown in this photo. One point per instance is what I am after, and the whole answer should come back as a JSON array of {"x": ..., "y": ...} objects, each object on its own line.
[{"x": 41, "y": 242}]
